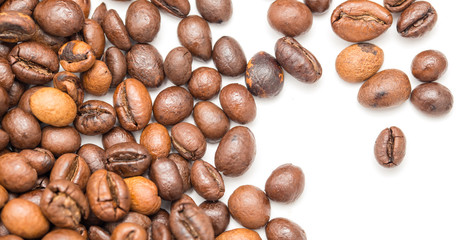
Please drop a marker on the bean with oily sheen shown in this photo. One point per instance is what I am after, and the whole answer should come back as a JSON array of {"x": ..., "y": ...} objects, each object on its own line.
[
  {"x": 14, "y": 94},
  {"x": 238, "y": 103},
  {"x": 115, "y": 30},
  {"x": 6, "y": 74},
  {"x": 290, "y": 17},
  {"x": 155, "y": 137},
  {"x": 417, "y": 19},
  {"x": 128, "y": 231},
  {"x": 73, "y": 168},
  {"x": 16, "y": 175},
  {"x": 76, "y": 56},
  {"x": 239, "y": 233},
  {"x": 63, "y": 234},
  {"x": 184, "y": 168},
  {"x": 285, "y": 184},
  {"x": 318, "y": 6},
  {"x": 397, "y": 5},
  {"x": 429, "y": 65},
  {"x": 23, "y": 129},
  {"x": 162, "y": 217},
  {"x": 142, "y": 15},
  {"x": 432, "y": 98},
  {"x": 390, "y": 147},
  {"x": 127, "y": 159},
  {"x": 5, "y": 49},
  {"x": 22, "y": 6},
  {"x": 117, "y": 135},
  {"x": 42, "y": 160},
  {"x": 59, "y": 17},
  {"x": 144, "y": 63},
  {"x": 172, "y": 105},
  {"x": 93, "y": 155},
  {"x": 98, "y": 233},
  {"x": 218, "y": 213},
  {"x": 99, "y": 13},
  {"x": 207, "y": 181},
  {"x": 16, "y": 27},
  {"x": 188, "y": 140},
  {"x": 159, "y": 231},
  {"x": 69, "y": 83},
  {"x": 205, "y": 83},
  {"x": 95, "y": 117},
  {"x": 297, "y": 60},
  {"x": 53, "y": 42},
  {"x": 131, "y": 217},
  {"x": 229, "y": 57},
  {"x": 60, "y": 140},
  {"x": 188, "y": 221},
  {"x": 249, "y": 206},
  {"x": 33, "y": 196},
  {"x": 194, "y": 34},
  {"x": 264, "y": 76},
  {"x": 94, "y": 36},
  {"x": 179, "y": 8},
  {"x": 144, "y": 195},
  {"x": 97, "y": 80},
  {"x": 165, "y": 174},
  {"x": 178, "y": 65},
  {"x": 282, "y": 228},
  {"x": 215, "y": 11},
  {"x": 117, "y": 64},
  {"x": 211, "y": 120}
]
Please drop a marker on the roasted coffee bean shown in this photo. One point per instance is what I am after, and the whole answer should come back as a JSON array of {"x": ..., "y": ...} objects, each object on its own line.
[
  {"x": 282, "y": 228},
  {"x": 131, "y": 217},
  {"x": 417, "y": 19},
  {"x": 390, "y": 147},
  {"x": 63, "y": 234},
  {"x": 318, "y": 6},
  {"x": 235, "y": 152},
  {"x": 218, "y": 213},
  {"x": 429, "y": 65},
  {"x": 16, "y": 175},
  {"x": 4, "y": 139},
  {"x": 41, "y": 183},
  {"x": 194, "y": 34},
  {"x": 142, "y": 15},
  {"x": 33, "y": 63},
  {"x": 53, "y": 42},
  {"x": 73, "y": 168},
  {"x": 132, "y": 103},
  {"x": 98, "y": 233},
  {"x": 23, "y": 129},
  {"x": 162, "y": 217},
  {"x": 359, "y": 21},
  {"x": 5, "y": 49},
  {"x": 6, "y": 74},
  {"x": 172, "y": 105},
  {"x": 229, "y": 57},
  {"x": 16, "y": 27},
  {"x": 99, "y": 13},
  {"x": 94, "y": 36},
  {"x": 20, "y": 211},
  {"x": 53, "y": 107},
  {"x": 205, "y": 83},
  {"x": 184, "y": 168},
  {"x": 129, "y": 231},
  {"x": 3, "y": 196},
  {"x": 290, "y": 17},
  {"x": 285, "y": 184},
  {"x": 95, "y": 117},
  {"x": 215, "y": 11},
  {"x": 59, "y": 17},
  {"x": 76, "y": 56},
  {"x": 159, "y": 231},
  {"x": 69, "y": 83},
  {"x": 432, "y": 98},
  {"x": 117, "y": 64},
  {"x": 4, "y": 101},
  {"x": 358, "y": 62},
  {"x": 24, "y": 102},
  {"x": 397, "y": 5},
  {"x": 42, "y": 160},
  {"x": 238, "y": 103},
  {"x": 249, "y": 206},
  {"x": 144, "y": 195},
  {"x": 108, "y": 196},
  {"x": 117, "y": 135},
  {"x": 188, "y": 221},
  {"x": 387, "y": 88},
  {"x": 60, "y": 140},
  {"x": 211, "y": 120},
  {"x": 115, "y": 30},
  {"x": 144, "y": 63},
  {"x": 33, "y": 196},
  {"x": 15, "y": 93},
  {"x": 155, "y": 137},
  {"x": 22, "y": 6},
  {"x": 178, "y": 65},
  {"x": 127, "y": 159},
  {"x": 85, "y": 6},
  {"x": 97, "y": 80},
  {"x": 239, "y": 233},
  {"x": 207, "y": 181},
  {"x": 164, "y": 173},
  {"x": 64, "y": 204},
  {"x": 264, "y": 76},
  {"x": 189, "y": 141},
  {"x": 297, "y": 60},
  {"x": 93, "y": 155},
  {"x": 179, "y": 8}
]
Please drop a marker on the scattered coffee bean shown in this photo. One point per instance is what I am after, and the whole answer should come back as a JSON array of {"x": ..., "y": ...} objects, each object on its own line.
[
  {"x": 144, "y": 195},
  {"x": 188, "y": 221},
  {"x": 429, "y": 65},
  {"x": 178, "y": 65},
  {"x": 144, "y": 63},
  {"x": 390, "y": 147},
  {"x": 142, "y": 15},
  {"x": 194, "y": 34},
  {"x": 249, "y": 199},
  {"x": 215, "y": 11},
  {"x": 23, "y": 129},
  {"x": 285, "y": 183},
  {"x": 155, "y": 137},
  {"x": 165, "y": 174},
  {"x": 94, "y": 36},
  {"x": 16, "y": 27},
  {"x": 290, "y": 17},
  {"x": 229, "y": 57},
  {"x": 189, "y": 141},
  {"x": 238, "y": 103},
  {"x": 115, "y": 30},
  {"x": 97, "y": 80},
  {"x": 211, "y": 120},
  {"x": 76, "y": 56},
  {"x": 207, "y": 181},
  {"x": 432, "y": 98},
  {"x": 60, "y": 140},
  {"x": 172, "y": 105},
  {"x": 15, "y": 93},
  {"x": 359, "y": 62},
  {"x": 184, "y": 168},
  {"x": 205, "y": 83},
  {"x": 59, "y": 17},
  {"x": 417, "y": 19},
  {"x": 117, "y": 64},
  {"x": 93, "y": 155},
  {"x": 16, "y": 175},
  {"x": 99, "y": 13},
  {"x": 127, "y": 159},
  {"x": 95, "y": 117},
  {"x": 42, "y": 160},
  {"x": 179, "y": 8},
  {"x": 282, "y": 228},
  {"x": 68, "y": 83},
  {"x": 218, "y": 213},
  {"x": 53, "y": 107},
  {"x": 117, "y": 135},
  {"x": 73, "y": 168}
]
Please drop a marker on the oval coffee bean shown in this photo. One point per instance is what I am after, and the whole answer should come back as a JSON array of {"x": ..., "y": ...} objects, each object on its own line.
[
  {"x": 318, "y": 6},
  {"x": 59, "y": 17},
  {"x": 397, "y": 5},
  {"x": 76, "y": 56},
  {"x": 358, "y": 62},
  {"x": 290, "y": 17},
  {"x": 22, "y": 6},
  {"x": 14, "y": 94},
  {"x": 239, "y": 233},
  {"x": 142, "y": 15},
  {"x": 218, "y": 213},
  {"x": 387, "y": 88},
  {"x": 155, "y": 137},
  {"x": 117, "y": 135},
  {"x": 23, "y": 129},
  {"x": 429, "y": 65},
  {"x": 93, "y": 155},
  {"x": 131, "y": 231},
  {"x": 229, "y": 57},
  {"x": 99, "y": 13},
  {"x": 94, "y": 36},
  {"x": 285, "y": 183},
  {"x": 16, "y": 27},
  {"x": 127, "y": 159},
  {"x": 60, "y": 140},
  {"x": 16, "y": 175},
  {"x": 297, "y": 60},
  {"x": 69, "y": 83},
  {"x": 189, "y": 141},
  {"x": 188, "y": 221},
  {"x": 178, "y": 65},
  {"x": 205, "y": 83},
  {"x": 63, "y": 234},
  {"x": 215, "y": 11},
  {"x": 165, "y": 174},
  {"x": 42, "y": 160},
  {"x": 238, "y": 103},
  {"x": 172, "y": 105},
  {"x": 6, "y": 74},
  {"x": 117, "y": 64},
  {"x": 194, "y": 34},
  {"x": 53, "y": 107},
  {"x": 97, "y": 80},
  {"x": 282, "y": 228},
  {"x": 417, "y": 19},
  {"x": 432, "y": 98},
  {"x": 115, "y": 30},
  {"x": 359, "y": 21},
  {"x": 207, "y": 181},
  {"x": 179, "y": 8},
  {"x": 249, "y": 206},
  {"x": 73, "y": 168},
  {"x": 144, "y": 63},
  {"x": 211, "y": 120},
  {"x": 95, "y": 117},
  {"x": 390, "y": 147},
  {"x": 144, "y": 195},
  {"x": 184, "y": 167}
]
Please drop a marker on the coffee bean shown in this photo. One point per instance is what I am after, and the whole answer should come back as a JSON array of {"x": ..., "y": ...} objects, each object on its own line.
[
  {"x": 397, "y": 5},
  {"x": 159, "y": 231},
  {"x": 249, "y": 199},
  {"x": 95, "y": 117},
  {"x": 285, "y": 183},
  {"x": 238, "y": 103},
  {"x": 41, "y": 183},
  {"x": 429, "y": 65},
  {"x": 194, "y": 34},
  {"x": 161, "y": 217},
  {"x": 390, "y": 147},
  {"x": 94, "y": 36},
  {"x": 4, "y": 101},
  {"x": 117, "y": 64},
  {"x": 318, "y": 6},
  {"x": 93, "y": 155},
  {"x": 128, "y": 231},
  {"x": 76, "y": 56},
  {"x": 155, "y": 137},
  {"x": 115, "y": 30},
  {"x": 179, "y": 8},
  {"x": 387, "y": 88},
  {"x": 290, "y": 17},
  {"x": 97, "y": 80},
  {"x": 239, "y": 233},
  {"x": 144, "y": 195},
  {"x": 131, "y": 217},
  {"x": 3, "y": 196},
  {"x": 188, "y": 221},
  {"x": 189, "y": 141},
  {"x": 178, "y": 65},
  {"x": 184, "y": 168},
  {"x": 16, "y": 27},
  {"x": 172, "y": 105},
  {"x": 23, "y": 129},
  {"x": 359, "y": 62},
  {"x": 211, "y": 120},
  {"x": 207, "y": 181},
  {"x": 5, "y": 49},
  {"x": 127, "y": 159},
  {"x": 4, "y": 139},
  {"x": 7, "y": 75},
  {"x": 98, "y": 233},
  {"x": 60, "y": 140},
  {"x": 282, "y": 228},
  {"x": 69, "y": 83},
  {"x": 142, "y": 15},
  {"x": 165, "y": 174},
  {"x": 53, "y": 42},
  {"x": 64, "y": 234},
  {"x": 33, "y": 196},
  {"x": 205, "y": 83},
  {"x": 117, "y": 135},
  {"x": 229, "y": 57},
  {"x": 53, "y": 107},
  {"x": 15, "y": 93},
  {"x": 359, "y": 21},
  {"x": 42, "y": 160},
  {"x": 73, "y": 168},
  {"x": 16, "y": 175},
  {"x": 132, "y": 103},
  {"x": 59, "y": 17},
  {"x": 215, "y": 11},
  {"x": 99, "y": 13},
  {"x": 144, "y": 63},
  {"x": 432, "y": 98},
  {"x": 22, "y": 6},
  {"x": 218, "y": 213},
  {"x": 417, "y": 19}
]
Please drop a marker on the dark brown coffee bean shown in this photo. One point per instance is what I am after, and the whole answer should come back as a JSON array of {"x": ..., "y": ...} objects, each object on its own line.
[
  {"x": 285, "y": 184},
  {"x": 73, "y": 168},
  {"x": 189, "y": 141},
  {"x": 229, "y": 57},
  {"x": 159, "y": 231},
  {"x": 290, "y": 17},
  {"x": 117, "y": 135},
  {"x": 417, "y": 19},
  {"x": 211, "y": 120},
  {"x": 184, "y": 168},
  {"x": 207, "y": 181},
  {"x": 53, "y": 42},
  {"x": 249, "y": 206},
  {"x": 108, "y": 195},
  {"x": 5, "y": 49},
  {"x": 23, "y": 129},
  {"x": 99, "y": 13},
  {"x": 16, "y": 175},
  {"x": 387, "y": 88},
  {"x": 59, "y": 17},
  {"x": 165, "y": 174},
  {"x": 94, "y": 36},
  {"x": 15, "y": 93},
  {"x": 264, "y": 76},
  {"x": 69, "y": 83},
  {"x": 390, "y": 147},
  {"x": 218, "y": 213},
  {"x": 24, "y": 102},
  {"x": 397, "y": 5},
  {"x": 358, "y": 62},
  {"x": 144, "y": 63},
  {"x": 76, "y": 56},
  {"x": 318, "y": 6},
  {"x": 95, "y": 117},
  {"x": 282, "y": 228},
  {"x": 40, "y": 159},
  {"x": 359, "y": 21},
  {"x": 22, "y": 6},
  {"x": 16, "y": 27},
  {"x": 33, "y": 63},
  {"x": 63, "y": 234},
  {"x": 239, "y": 233},
  {"x": 60, "y": 140},
  {"x": 429, "y": 65},
  {"x": 98, "y": 233},
  {"x": 238, "y": 103},
  {"x": 6, "y": 74},
  {"x": 142, "y": 15},
  {"x": 132, "y": 103},
  {"x": 41, "y": 183},
  {"x": 178, "y": 65},
  {"x": 4, "y": 101},
  {"x": 155, "y": 137},
  {"x": 297, "y": 60},
  {"x": 4, "y": 139},
  {"x": 131, "y": 217},
  {"x": 235, "y": 152},
  {"x": 127, "y": 159},
  {"x": 179, "y": 8},
  {"x": 215, "y": 11},
  {"x": 432, "y": 98},
  {"x": 93, "y": 155},
  {"x": 33, "y": 196},
  {"x": 97, "y": 80},
  {"x": 172, "y": 105},
  {"x": 115, "y": 30},
  {"x": 205, "y": 83},
  {"x": 64, "y": 204},
  {"x": 188, "y": 221},
  {"x": 129, "y": 231},
  {"x": 194, "y": 34},
  {"x": 161, "y": 217},
  {"x": 117, "y": 64}
]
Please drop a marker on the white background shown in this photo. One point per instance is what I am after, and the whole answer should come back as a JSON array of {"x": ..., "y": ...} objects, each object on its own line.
[{"x": 322, "y": 128}]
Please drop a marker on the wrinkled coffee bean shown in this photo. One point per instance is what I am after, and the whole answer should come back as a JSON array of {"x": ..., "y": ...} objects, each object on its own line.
[
  {"x": 115, "y": 30},
  {"x": 63, "y": 234},
  {"x": 229, "y": 57},
  {"x": 144, "y": 63},
  {"x": 290, "y": 17},
  {"x": 249, "y": 206},
  {"x": 127, "y": 159},
  {"x": 189, "y": 141},
  {"x": 211, "y": 120},
  {"x": 93, "y": 155},
  {"x": 94, "y": 36},
  {"x": 42, "y": 160},
  {"x": 97, "y": 80},
  {"x": 155, "y": 137},
  {"x": 117, "y": 64},
  {"x": 98, "y": 233},
  {"x": 179, "y": 8},
  {"x": 165, "y": 174},
  {"x": 264, "y": 76},
  {"x": 285, "y": 184},
  {"x": 178, "y": 65},
  {"x": 432, "y": 98},
  {"x": 172, "y": 105},
  {"x": 69, "y": 83},
  {"x": 215, "y": 11},
  {"x": 22, "y": 6},
  {"x": 282, "y": 228},
  {"x": 117, "y": 135},
  {"x": 76, "y": 56},
  {"x": 194, "y": 34},
  {"x": 358, "y": 62},
  {"x": 390, "y": 147},
  {"x": 218, "y": 213},
  {"x": 6, "y": 74},
  {"x": 297, "y": 60},
  {"x": 207, "y": 181},
  {"x": 238, "y": 103},
  {"x": 205, "y": 83},
  {"x": 239, "y": 233},
  {"x": 53, "y": 42},
  {"x": 429, "y": 65},
  {"x": 131, "y": 231},
  {"x": 144, "y": 195},
  {"x": 16, "y": 175},
  {"x": 142, "y": 15},
  {"x": 184, "y": 168},
  {"x": 73, "y": 168},
  {"x": 188, "y": 221},
  {"x": 417, "y": 19},
  {"x": 99, "y": 13},
  {"x": 60, "y": 140},
  {"x": 397, "y": 5},
  {"x": 318, "y": 6},
  {"x": 23, "y": 129},
  {"x": 95, "y": 117},
  {"x": 59, "y": 17},
  {"x": 16, "y": 27}
]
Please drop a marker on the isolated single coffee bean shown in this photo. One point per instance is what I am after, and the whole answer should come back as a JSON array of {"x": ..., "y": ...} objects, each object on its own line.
[
  {"x": 252, "y": 200},
  {"x": 359, "y": 62},
  {"x": 188, "y": 140},
  {"x": 144, "y": 63},
  {"x": 165, "y": 174},
  {"x": 432, "y": 98},
  {"x": 218, "y": 213},
  {"x": 290, "y": 17},
  {"x": 178, "y": 65},
  {"x": 155, "y": 137},
  {"x": 53, "y": 107},
  {"x": 115, "y": 30},
  {"x": 23, "y": 129},
  {"x": 194, "y": 34},
  {"x": 429, "y": 65},
  {"x": 417, "y": 19},
  {"x": 229, "y": 57},
  {"x": 207, "y": 181},
  {"x": 205, "y": 83},
  {"x": 211, "y": 120},
  {"x": 264, "y": 76},
  {"x": 285, "y": 184},
  {"x": 142, "y": 15},
  {"x": 60, "y": 140},
  {"x": 172, "y": 105},
  {"x": 390, "y": 147},
  {"x": 97, "y": 80},
  {"x": 144, "y": 195},
  {"x": 16, "y": 175}
]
